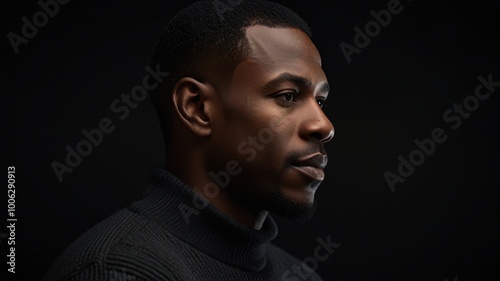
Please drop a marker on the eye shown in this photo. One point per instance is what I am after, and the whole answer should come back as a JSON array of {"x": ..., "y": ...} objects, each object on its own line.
[
  {"x": 321, "y": 102},
  {"x": 289, "y": 97}
]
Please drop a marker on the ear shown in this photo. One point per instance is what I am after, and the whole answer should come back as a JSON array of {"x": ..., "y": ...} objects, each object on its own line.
[{"x": 191, "y": 100}]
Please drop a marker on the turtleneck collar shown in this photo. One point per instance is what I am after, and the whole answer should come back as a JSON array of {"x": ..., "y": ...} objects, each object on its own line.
[{"x": 209, "y": 230}]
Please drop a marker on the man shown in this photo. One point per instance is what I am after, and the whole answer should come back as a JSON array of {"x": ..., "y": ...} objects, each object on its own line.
[{"x": 244, "y": 133}]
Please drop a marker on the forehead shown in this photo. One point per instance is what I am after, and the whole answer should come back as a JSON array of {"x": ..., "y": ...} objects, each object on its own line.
[
  {"x": 281, "y": 44},
  {"x": 278, "y": 50}
]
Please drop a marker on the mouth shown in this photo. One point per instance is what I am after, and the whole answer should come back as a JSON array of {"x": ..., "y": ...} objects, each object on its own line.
[
  {"x": 313, "y": 173},
  {"x": 312, "y": 166}
]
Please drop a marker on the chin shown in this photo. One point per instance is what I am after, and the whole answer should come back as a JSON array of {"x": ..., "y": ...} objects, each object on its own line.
[{"x": 297, "y": 209}]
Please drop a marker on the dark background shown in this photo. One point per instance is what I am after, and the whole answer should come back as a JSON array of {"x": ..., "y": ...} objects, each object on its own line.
[{"x": 441, "y": 223}]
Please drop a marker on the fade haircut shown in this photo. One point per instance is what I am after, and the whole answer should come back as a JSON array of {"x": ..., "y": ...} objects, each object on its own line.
[{"x": 209, "y": 33}]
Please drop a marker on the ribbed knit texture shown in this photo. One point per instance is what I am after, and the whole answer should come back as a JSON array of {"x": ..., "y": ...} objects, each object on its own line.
[{"x": 150, "y": 240}]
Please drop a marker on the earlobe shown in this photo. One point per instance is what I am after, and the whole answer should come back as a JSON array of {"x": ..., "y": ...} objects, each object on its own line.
[{"x": 191, "y": 101}]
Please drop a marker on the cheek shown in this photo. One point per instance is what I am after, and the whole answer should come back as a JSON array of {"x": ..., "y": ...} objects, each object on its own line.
[
  {"x": 261, "y": 144},
  {"x": 253, "y": 132},
  {"x": 271, "y": 145}
]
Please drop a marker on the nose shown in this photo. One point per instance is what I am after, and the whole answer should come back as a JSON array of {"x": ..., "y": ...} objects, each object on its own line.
[{"x": 316, "y": 125}]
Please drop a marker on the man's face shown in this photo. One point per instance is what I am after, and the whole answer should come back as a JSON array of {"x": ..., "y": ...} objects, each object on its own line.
[{"x": 270, "y": 122}]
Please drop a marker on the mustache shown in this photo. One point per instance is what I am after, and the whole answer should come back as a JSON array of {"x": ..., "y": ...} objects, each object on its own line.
[{"x": 316, "y": 153}]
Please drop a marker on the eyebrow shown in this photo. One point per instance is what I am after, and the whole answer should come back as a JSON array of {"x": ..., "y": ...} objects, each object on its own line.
[{"x": 298, "y": 80}]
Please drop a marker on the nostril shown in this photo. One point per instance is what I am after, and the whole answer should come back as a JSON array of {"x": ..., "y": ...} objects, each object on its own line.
[{"x": 316, "y": 135}]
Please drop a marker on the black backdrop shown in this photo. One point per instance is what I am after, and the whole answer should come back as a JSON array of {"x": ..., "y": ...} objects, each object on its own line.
[{"x": 440, "y": 223}]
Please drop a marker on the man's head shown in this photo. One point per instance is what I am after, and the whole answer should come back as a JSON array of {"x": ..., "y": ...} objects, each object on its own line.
[{"x": 242, "y": 105}]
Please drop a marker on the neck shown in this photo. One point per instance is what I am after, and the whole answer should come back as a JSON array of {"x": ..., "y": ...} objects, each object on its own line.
[
  {"x": 260, "y": 219},
  {"x": 193, "y": 172}
]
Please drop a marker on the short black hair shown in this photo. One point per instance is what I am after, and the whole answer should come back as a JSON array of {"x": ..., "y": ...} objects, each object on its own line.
[{"x": 211, "y": 31}]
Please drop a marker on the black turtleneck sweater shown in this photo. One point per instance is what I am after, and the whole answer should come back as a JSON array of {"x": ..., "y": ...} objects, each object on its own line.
[{"x": 150, "y": 240}]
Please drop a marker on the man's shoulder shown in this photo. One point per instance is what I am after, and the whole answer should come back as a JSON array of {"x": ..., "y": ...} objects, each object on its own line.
[
  {"x": 124, "y": 244},
  {"x": 291, "y": 268}
]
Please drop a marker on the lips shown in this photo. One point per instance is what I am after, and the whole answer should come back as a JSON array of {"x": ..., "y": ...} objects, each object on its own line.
[{"x": 312, "y": 166}]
